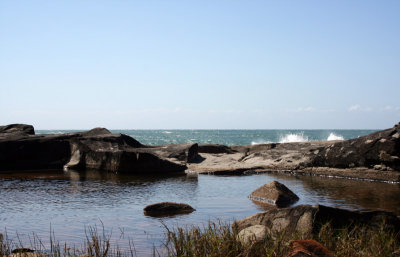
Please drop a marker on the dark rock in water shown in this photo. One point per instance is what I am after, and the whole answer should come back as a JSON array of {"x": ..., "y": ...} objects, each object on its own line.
[
  {"x": 310, "y": 248},
  {"x": 307, "y": 219},
  {"x": 94, "y": 149},
  {"x": 120, "y": 161},
  {"x": 96, "y": 131},
  {"x": 22, "y": 250},
  {"x": 382, "y": 147},
  {"x": 17, "y": 129},
  {"x": 213, "y": 148},
  {"x": 167, "y": 209},
  {"x": 274, "y": 193},
  {"x": 35, "y": 152}
]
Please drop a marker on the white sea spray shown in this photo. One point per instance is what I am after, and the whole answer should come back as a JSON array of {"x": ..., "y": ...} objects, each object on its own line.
[
  {"x": 332, "y": 136},
  {"x": 293, "y": 137}
]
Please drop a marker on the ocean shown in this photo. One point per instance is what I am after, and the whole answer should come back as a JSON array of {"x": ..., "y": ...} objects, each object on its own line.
[{"x": 232, "y": 137}]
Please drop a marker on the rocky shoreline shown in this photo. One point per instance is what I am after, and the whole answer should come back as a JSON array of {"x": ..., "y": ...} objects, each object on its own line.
[{"x": 372, "y": 157}]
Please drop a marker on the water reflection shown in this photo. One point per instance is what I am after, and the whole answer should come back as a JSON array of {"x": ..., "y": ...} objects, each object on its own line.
[
  {"x": 360, "y": 194},
  {"x": 69, "y": 201}
]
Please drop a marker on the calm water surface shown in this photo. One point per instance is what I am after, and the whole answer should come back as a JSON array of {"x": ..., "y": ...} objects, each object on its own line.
[{"x": 70, "y": 201}]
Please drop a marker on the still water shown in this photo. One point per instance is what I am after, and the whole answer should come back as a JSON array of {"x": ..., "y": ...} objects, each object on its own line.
[{"x": 67, "y": 202}]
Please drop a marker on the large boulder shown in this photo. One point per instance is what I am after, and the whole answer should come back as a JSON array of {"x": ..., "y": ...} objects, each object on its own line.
[
  {"x": 274, "y": 193},
  {"x": 36, "y": 152},
  {"x": 119, "y": 160},
  {"x": 94, "y": 149},
  {"x": 167, "y": 209},
  {"x": 382, "y": 147},
  {"x": 307, "y": 219}
]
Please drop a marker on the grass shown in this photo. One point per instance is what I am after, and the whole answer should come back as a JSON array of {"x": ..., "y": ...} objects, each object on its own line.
[
  {"x": 220, "y": 239},
  {"x": 96, "y": 244}
]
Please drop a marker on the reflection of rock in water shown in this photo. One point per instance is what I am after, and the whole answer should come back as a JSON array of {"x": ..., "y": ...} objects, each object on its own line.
[
  {"x": 144, "y": 186},
  {"x": 369, "y": 195}
]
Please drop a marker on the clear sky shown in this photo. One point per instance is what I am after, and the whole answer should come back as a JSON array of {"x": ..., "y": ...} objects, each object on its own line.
[{"x": 200, "y": 64}]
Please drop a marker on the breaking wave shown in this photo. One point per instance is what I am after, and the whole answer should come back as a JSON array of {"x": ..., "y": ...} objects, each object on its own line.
[
  {"x": 293, "y": 137},
  {"x": 260, "y": 142},
  {"x": 333, "y": 136}
]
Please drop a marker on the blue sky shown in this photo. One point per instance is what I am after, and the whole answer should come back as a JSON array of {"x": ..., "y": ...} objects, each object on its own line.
[{"x": 200, "y": 64}]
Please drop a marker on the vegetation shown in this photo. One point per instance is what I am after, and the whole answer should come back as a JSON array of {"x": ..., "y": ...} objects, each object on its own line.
[{"x": 220, "y": 239}]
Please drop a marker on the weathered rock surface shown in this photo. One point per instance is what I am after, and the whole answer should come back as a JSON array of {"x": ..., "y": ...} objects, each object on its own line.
[
  {"x": 379, "y": 148},
  {"x": 179, "y": 152},
  {"x": 375, "y": 156},
  {"x": 94, "y": 149},
  {"x": 274, "y": 193},
  {"x": 254, "y": 233},
  {"x": 167, "y": 209},
  {"x": 363, "y": 157},
  {"x": 310, "y": 248},
  {"x": 306, "y": 219},
  {"x": 214, "y": 148},
  {"x": 17, "y": 129}
]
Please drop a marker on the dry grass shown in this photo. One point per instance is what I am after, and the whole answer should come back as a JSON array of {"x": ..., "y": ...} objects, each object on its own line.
[
  {"x": 220, "y": 239},
  {"x": 97, "y": 244}
]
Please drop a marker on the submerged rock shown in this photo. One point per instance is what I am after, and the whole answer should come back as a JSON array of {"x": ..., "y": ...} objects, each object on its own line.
[
  {"x": 167, "y": 209},
  {"x": 274, "y": 193},
  {"x": 307, "y": 219},
  {"x": 22, "y": 250}
]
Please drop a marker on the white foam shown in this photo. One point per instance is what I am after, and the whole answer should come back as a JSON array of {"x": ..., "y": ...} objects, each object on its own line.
[
  {"x": 333, "y": 136},
  {"x": 260, "y": 142},
  {"x": 167, "y": 132},
  {"x": 291, "y": 138}
]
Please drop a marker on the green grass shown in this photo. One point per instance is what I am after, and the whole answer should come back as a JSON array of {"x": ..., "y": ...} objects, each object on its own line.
[{"x": 220, "y": 239}]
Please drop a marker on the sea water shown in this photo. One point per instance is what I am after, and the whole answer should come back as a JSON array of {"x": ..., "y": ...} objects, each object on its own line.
[{"x": 232, "y": 137}]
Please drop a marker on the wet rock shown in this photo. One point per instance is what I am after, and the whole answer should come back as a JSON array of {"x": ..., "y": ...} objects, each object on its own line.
[
  {"x": 167, "y": 209},
  {"x": 256, "y": 233},
  {"x": 274, "y": 193},
  {"x": 307, "y": 219},
  {"x": 22, "y": 250},
  {"x": 310, "y": 248},
  {"x": 30, "y": 253}
]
